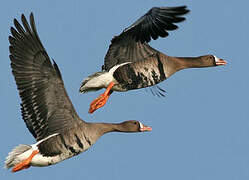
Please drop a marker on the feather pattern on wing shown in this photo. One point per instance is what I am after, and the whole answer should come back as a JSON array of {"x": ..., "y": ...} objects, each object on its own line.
[
  {"x": 46, "y": 107},
  {"x": 132, "y": 44}
]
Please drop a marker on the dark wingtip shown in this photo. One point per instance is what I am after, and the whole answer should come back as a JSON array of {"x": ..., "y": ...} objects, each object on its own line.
[
  {"x": 158, "y": 21},
  {"x": 10, "y": 38},
  {"x": 23, "y": 16},
  {"x": 31, "y": 16},
  {"x": 16, "y": 23},
  {"x": 11, "y": 57},
  {"x": 12, "y": 30},
  {"x": 177, "y": 10},
  {"x": 11, "y": 49}
]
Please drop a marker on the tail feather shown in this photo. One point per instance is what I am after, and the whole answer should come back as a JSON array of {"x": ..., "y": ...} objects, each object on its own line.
[
  {"x": 91, "y": 83},
  {"x": 11, "y": 159}
]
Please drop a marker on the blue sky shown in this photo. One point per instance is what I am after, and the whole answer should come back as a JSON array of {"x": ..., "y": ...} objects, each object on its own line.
[{"x": 200, "y": 129}]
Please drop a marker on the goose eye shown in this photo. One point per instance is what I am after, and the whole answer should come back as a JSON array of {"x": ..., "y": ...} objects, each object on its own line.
[{"x": 135, "y": 122}]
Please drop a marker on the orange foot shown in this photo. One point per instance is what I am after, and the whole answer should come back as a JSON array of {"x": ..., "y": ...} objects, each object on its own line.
[
  {"x": 25, "y": 163},
  {"x": 102, "y": 99}
]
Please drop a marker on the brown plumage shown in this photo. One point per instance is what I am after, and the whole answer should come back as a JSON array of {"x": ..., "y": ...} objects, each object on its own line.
[
  {"x": 131, "y": 63},
  {"x": 46, "y": 108}
]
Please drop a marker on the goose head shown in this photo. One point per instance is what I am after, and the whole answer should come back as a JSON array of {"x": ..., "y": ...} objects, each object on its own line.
[{"x": 134, "y": 126}]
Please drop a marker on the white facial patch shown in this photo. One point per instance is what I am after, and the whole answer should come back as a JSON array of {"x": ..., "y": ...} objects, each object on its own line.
[
  {"x": 216, "y": 59},
  {"x": 141, "y": 125}
]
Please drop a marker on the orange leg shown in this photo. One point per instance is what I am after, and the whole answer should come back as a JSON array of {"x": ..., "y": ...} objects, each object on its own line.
[
  {"x": 101, "y": 100},
  {"x": 25, "y": 163}
]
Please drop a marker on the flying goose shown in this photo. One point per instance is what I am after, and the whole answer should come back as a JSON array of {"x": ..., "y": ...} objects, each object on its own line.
[
  {"x": 131, "y": 63},
  {"x": 46, "y": 108}
]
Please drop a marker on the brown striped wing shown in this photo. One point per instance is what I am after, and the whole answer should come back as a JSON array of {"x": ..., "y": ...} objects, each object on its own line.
[
  {"x": 132, "y": 44},
  {"x": 46, "y": 107}
]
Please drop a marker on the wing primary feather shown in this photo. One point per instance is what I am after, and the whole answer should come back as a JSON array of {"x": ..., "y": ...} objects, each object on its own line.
[
  {"x": 46, "y": 107},
  {"x": 132, "y": 42}
]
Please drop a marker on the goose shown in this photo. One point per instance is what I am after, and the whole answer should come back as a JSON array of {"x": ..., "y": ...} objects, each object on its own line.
[
  {"x": 46, "y": 108},
  {"x": 131, "y": 63}
]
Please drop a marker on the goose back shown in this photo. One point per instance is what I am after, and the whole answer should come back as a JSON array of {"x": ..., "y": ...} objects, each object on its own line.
[
  {"x": 69, "y": 143},
  {"x": 141, "y": 74}
]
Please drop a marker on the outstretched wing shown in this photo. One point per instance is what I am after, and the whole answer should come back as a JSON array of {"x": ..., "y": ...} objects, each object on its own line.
[
  {"x": 46, "y": 107},
  {"x": 132, "y": 44}
]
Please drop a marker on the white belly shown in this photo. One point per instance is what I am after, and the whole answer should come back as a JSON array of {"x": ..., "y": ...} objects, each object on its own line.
[{"x": 40, "y": 160}]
